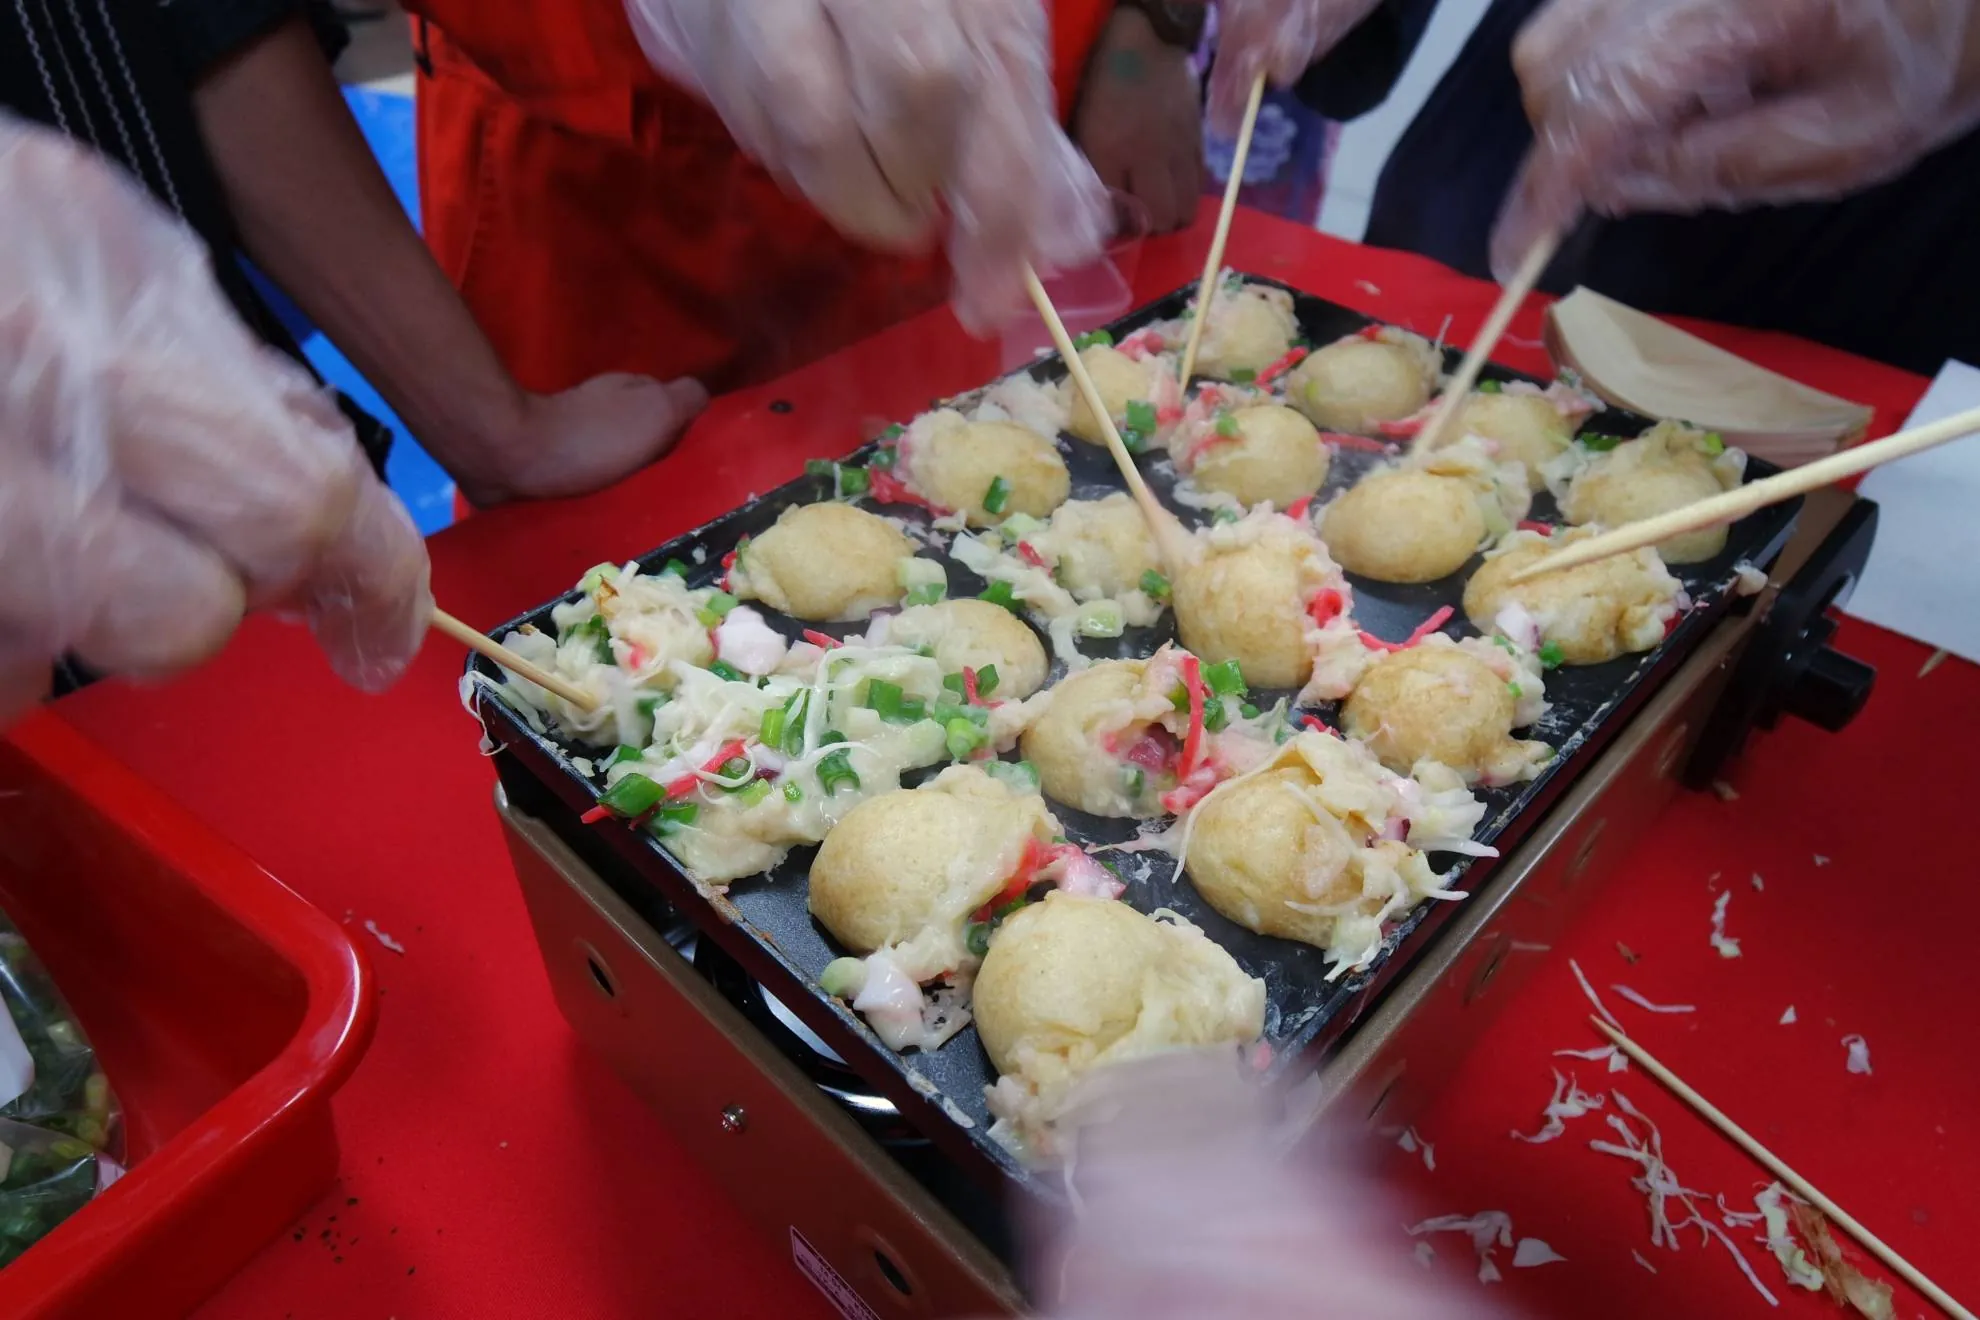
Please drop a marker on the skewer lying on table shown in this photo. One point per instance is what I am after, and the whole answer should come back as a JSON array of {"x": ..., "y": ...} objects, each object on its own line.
[
  {"x": 1222, "y": 233},
  {"x": 1732, "y": 505},
  {"x": 1801, "y": 1187},
  {"x": 1171, "y": 539},
  {"x": 483, "y": 644},
  {"x": 1489, "y": 334}
]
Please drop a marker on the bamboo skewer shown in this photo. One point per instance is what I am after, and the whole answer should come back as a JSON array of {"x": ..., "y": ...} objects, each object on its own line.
[
  {"x": 1869, "y": 1241},
  {"x": 1732, "y": 505},
  {"x": 483, "y": 644},
  {"x": 1489, "y": 334},
  {"x": 1170, "y": 538},
  {"x": 1222, "y": 233}
]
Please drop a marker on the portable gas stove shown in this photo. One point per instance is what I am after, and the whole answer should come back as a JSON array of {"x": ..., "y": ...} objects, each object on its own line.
[{"x": 876, "y": 1169}]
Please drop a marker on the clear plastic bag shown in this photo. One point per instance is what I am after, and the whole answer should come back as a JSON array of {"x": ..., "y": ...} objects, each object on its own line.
[{"x": 61, "y": 1138}]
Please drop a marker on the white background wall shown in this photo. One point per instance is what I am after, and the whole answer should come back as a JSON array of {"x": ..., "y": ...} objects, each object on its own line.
[{"x": 1365, "y": 144}]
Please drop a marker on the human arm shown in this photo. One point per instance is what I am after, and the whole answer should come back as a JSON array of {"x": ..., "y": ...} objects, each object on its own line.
[
  {"x": 1139, "y": 119},
  {"x": 1700, "y": 104},
  {"x": 161, "y": 470},
  {"x": 316, "y": 214}
]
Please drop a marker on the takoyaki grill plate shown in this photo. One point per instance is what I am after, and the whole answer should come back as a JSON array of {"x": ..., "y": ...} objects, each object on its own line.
[{"x": 763, "y": 921}]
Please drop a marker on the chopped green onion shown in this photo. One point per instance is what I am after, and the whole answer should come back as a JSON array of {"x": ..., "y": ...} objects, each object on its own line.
[
  {"x": 1180, "y": 699},
  {"x": 633, "y": 795},
  {"x": 793, "y": 791},
  {"x": 720, "y": 603},
  {"x": 1141, "y": 416},
  {"x": 842, "y": 977},
  {"x": 1504, "y": 645},
  {"x": 1215, "y": 717},
  {"x": 1092, "y": 337},
  {"x": 1021, "y": 901},
  {"x": 795, "y": 711},
  {"x": 1243, "y": 376},
  {"x": 1000, "y": 593},
  {"x": 963, "y": 738},
  {"x": 997, "y": 496},
  {"x": 734, "y": 768},
  {"x": 954, "y": 682},
  {"x": 1225, "y": 678},
  {"x": 830, "y": 736},
  {"x": 1600, "y": 444},
  {"x": 623, "y": 753},
  {"x": 600, "y": 634},
  {"x": 596, "y": 574},
  {"x": 1715, "y": 444},
  {"x": 820, "y": 467},
  {"x": 853, "y": 479},
  {"x": 1550, "y": 656},
  {"x": 1516, "y": 690},
  {"x": 1227, "y": 425},
  {"x": 675, "y": 816},
  {"x": 771, "y": 732},
  {"x": 1154, "y": 585},
  {"x": 724, "y": 670},
  {"x": 1135, "y": 782},
  {"x": 753, "y": 792},
  {"x": 1223, "y": 513},
  {"x": 928, "y": 593},
  {"x": 1490, "y": 387},
  {"x": 1020, "y": 775},
  {"x": 893, "y": 705},
  {"x": 1135, "y": 442},
  {"x": 976, "y": 938},
  {"x": 834, "y": 769},
  {"x": 986, "y": 680},
  {"x": 674, "y": 567},
  {"x": 1101, "y": 619},
  {"x": 652, "y": 702},
  {"x": 1021, "y": 527},
  {"x": 1248, "y": 710},
  {"x": 893, "y": 432}
]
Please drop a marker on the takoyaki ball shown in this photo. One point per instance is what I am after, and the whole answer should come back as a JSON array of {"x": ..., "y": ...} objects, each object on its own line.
[
  {"x": 1072, "y": 982},
  {"x": 1669, "y": 467},
  {"x": 1593, "y": 613},
  {"x": 1064, "y": 742},
  {"x": 1244, "y": 599},
  {"x": 912, "y": 859},
  {"x": 1276, "y": 456},
  {"x": 1249, "y": 330},
  {"x": 1404, "y": 525},
  {"x": 823, "y": 562},
  {"x": 955, "y": 467},
  {"x": 970, "y": 634},
  {"x": 1526, "y": 428},
  {"x": 1432, "y": 702},
  {"x": 1103, "y": 546},
  {"x": 1120, "y": 379},
  {"x": 1255, "y": 842},
  {"x": 1357, "y": 384}
]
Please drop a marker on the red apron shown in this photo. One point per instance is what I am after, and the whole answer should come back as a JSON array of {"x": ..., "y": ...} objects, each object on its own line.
[{"x": 596, "y": 218}]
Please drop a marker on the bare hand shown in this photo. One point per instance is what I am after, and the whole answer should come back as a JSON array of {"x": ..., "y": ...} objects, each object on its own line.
[{"x": 1139, "y": 121}]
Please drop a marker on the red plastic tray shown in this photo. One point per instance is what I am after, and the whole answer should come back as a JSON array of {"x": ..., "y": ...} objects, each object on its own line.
[{"x": 226, "y": 1011}]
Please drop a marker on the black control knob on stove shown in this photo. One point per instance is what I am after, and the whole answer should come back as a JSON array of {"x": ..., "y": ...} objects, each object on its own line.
[
  {"x": 1830, "y": 689},
  {"x": 1789, "y": 668}
]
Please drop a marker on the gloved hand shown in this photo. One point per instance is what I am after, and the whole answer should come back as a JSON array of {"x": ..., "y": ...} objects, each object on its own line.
[
  {"x": 1190, "y": 1207},
  {"x": 880, "y": 111},
  {"x": 1283, "y": 38},
  {"x": 161, "y": 471},
  {"x": 1685, "y": 105}
]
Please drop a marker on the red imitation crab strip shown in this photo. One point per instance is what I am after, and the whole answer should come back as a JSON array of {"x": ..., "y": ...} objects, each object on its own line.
[
  {"x": 1297, "y": 509},
  {"x": 1529, "y": 525},
  {"x": 728, "y": 562},
  {"x": 1280, "y": 366},
  {"x": 1313, "y": 722},
  {"x": 886, "y": 488},
  {"x": 820, "y": 640},
  {"x": 1324, "y": 608},
  {"x": 1141, "y": 344},
  {"x": 723, "y": 755},
  {"x": 1423, "y": 630},
  {"x": 969, "y": 687},
  {"x": 1193, "y": 789},
  {"x": 1345, "y": 441},
  {"x": 1192, "y": 748},
  {"x": 1029, "y": 554}
]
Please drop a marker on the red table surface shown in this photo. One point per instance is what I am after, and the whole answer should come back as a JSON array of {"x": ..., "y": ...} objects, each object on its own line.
[{"x": 493, "y": 1169}]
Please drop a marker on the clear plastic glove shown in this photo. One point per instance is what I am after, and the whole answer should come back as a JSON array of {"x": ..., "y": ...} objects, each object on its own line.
[
  {"x": 1191, "y": 1207},
  {"x": 161, "y": 471},
  {"x": 880, "y": 111},
  {"x": 1686, "y": 105},
  {"x": 1280, "y": 38}
]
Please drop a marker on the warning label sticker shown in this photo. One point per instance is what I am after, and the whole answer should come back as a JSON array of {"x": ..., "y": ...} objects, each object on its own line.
[{"x": 829, "y": 1281}]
